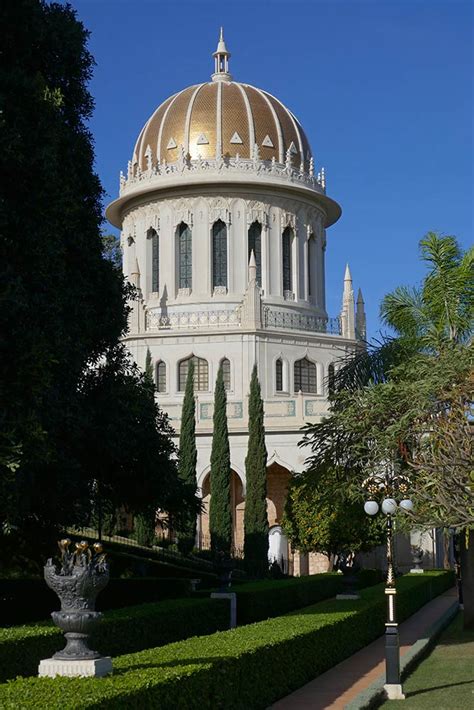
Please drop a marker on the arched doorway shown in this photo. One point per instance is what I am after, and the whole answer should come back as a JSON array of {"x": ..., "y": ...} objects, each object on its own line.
[{"x": 278, "y": 547}]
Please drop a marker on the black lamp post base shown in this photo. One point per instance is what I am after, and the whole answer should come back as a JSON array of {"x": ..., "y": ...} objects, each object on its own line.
[{"x": 394, "y": 691}]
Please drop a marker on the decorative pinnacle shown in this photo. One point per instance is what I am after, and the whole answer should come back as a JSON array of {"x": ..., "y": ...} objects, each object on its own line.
[
  {"x": 221, "y": 60},
  {"x": 347, "y": 274},
  {"x": 221, "y": 48},
  {"x": 360, "y": 298}
]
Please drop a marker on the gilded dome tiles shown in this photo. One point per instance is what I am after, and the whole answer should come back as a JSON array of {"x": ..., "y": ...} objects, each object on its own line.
[{"x": 223, "y": 118}]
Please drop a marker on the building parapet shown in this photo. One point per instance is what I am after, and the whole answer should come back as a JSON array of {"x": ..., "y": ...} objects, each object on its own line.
[
  {"x": 186, "y": 167},
  {"x": 232, "y": 318},
  {"x": 293, "y": 320}
]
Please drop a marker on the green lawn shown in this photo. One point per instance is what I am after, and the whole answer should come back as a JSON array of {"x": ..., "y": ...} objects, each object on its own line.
[{"x": 445, "y": 679}]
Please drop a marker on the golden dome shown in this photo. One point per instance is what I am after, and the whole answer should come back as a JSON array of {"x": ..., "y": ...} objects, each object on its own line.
[{"x": 222, "y": 118}]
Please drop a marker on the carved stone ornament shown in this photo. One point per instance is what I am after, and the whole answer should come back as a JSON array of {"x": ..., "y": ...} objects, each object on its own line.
[{"x": 77, "y": 581}]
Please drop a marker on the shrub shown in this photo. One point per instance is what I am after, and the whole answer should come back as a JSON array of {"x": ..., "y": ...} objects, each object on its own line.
[
  {"x": 121, "y": 631},
  {"x": 234, "y": 669},
  {"x": 267, "y": 598}
]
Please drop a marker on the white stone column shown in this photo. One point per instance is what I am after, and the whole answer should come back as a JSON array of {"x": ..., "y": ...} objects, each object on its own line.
[{"x": 265, "y": 262}]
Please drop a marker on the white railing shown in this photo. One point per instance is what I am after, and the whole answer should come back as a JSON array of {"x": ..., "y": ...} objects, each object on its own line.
[{"x": 186, "y": 167}]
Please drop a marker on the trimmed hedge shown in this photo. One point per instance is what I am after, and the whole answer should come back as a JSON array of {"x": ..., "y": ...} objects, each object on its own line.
[
  {"x": 263, "y": 600},
  {"x": 120, "y": 631},
  {"x": 136, "y": 628},
  {"x": 17, "y": 595},
  {"x": 233, "y": 670},
  {"x": 268, "y": 598}
]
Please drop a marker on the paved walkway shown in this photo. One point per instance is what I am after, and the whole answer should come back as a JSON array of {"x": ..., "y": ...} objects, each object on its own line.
[{"x": 341, "y": 684}]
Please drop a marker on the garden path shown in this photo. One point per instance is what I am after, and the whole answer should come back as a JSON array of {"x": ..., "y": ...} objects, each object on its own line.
[{"x": 341, "y": 684}]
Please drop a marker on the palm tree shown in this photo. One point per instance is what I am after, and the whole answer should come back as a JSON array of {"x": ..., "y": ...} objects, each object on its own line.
[
  {"x": 424, "y": 320},
  {"x": 413, "y": 375},
  {"x": 441, "y": 311}
]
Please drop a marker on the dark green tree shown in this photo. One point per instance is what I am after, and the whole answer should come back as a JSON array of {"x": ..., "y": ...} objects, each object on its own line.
[
  {"x": 144, "y": 528},
  {"x": 319, "y": 517},
  {"x": 410, "y": 402},
  {"x": 62, "y": 305},
  {"x": 255, "y": 516},
  {"x": 186, "y": 528},
  {"x": 111, "y": 250},
  {"x": 220, "y": 513},
  {"x": 122, "y": 440},
  {"x": 78, "y": 424},
  {"x": 143, "y": 523}
]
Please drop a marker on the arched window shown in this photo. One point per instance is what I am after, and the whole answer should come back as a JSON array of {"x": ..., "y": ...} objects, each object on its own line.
[
  {"x": 185, "y": 256},
  {"x": 155, "y": 259},
  {"x": 331, "y": 374},
  {"x": 255, "y": 245},
  {"x": 201, "y": 374},
  {"x": 286, "y": 254},
  {"x": 279, "y": 375},
  {"x": 161, "y": 376},
  {"x": 219, "y": 254},
  {"x": 225, "y": 364},
  {"x": 305, "y": 376},
  {"x": 312, "y": 263}
]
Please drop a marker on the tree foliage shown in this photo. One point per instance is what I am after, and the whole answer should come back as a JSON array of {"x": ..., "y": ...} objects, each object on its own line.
[
  {"x": 320, "y": 517},
  {"x": 77, "y": 416},
  {"x": 255, "y": 515},
  {"x": 187, "y": 463},
  {"x": 417, "y": 413},
  {"x": 220, "y": 512}
]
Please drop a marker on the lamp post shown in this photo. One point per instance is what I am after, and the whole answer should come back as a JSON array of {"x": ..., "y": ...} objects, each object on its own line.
[{"x": 388, "y": 485}]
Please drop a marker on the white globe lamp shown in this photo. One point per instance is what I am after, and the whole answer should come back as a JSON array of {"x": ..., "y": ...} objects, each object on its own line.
[
  {"x": 407, "y": 505},
  {"x": 371, "y": 507},
  {"x": 389, "y": 506}
]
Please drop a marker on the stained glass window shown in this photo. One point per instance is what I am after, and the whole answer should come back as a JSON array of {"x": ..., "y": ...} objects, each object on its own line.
[
  {"x": 279, "y": 375},
  {"x": 161, "y": 376},
  {"x": 185, "y": 256},
  {"x": 155, "y": 259},
  {"x": 201, "y": 374},
  {"x": 225, "y": 363},
  {"x": 305, "y": 376},
  {"x": 255, "y": 245},
  {"x": 286, "y": 249},
  {"x": 219, "y": 254}
]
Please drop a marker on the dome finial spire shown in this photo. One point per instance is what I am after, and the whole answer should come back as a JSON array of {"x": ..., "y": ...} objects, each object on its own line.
[{"x": 221, "y": 60}]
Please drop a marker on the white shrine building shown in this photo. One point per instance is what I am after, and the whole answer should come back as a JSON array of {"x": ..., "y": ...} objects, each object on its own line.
[{"x": 223, "y": 220}]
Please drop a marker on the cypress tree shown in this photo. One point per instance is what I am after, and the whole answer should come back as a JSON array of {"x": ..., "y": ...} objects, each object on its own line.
[
  {"x": 148, "y": 366},
  {"x": 220, "y": 513},
  {"x": 255, "y": 516},
  {"x": 187, "y": 462}
]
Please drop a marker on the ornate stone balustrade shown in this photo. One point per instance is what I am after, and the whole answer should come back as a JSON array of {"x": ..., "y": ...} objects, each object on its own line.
[
  {"x": 188, "y": 320},
  {"x": 299, "y": 321},
  {"x": 186, "y": 167},
  {"x": 225, "y": 318}
]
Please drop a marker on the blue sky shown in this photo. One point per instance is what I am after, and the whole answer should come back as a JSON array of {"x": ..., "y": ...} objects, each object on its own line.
[{"x": 383, "y": 89}]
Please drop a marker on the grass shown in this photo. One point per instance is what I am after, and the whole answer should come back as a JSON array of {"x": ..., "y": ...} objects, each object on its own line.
[{"x": 445, "y": 679}]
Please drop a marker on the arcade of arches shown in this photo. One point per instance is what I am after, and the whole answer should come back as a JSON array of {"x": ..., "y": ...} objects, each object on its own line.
[{"x": 277, "y": 486}]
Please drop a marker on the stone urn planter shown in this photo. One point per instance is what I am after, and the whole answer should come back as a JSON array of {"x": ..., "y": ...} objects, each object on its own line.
[
  {"x": 417, "y": 557},
  {"x": 347, "y": 564},
  {"x": 77, "y": 580}
]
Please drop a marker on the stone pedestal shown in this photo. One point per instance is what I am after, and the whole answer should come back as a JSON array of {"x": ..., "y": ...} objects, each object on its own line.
[
  {"x": 52, "y": 667},
  {"x": 348, "y": 596},
  {"x": 394, "y": 691},
  {"x": 416, "y": 570},
  {"x": 233, "y": 605}
]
